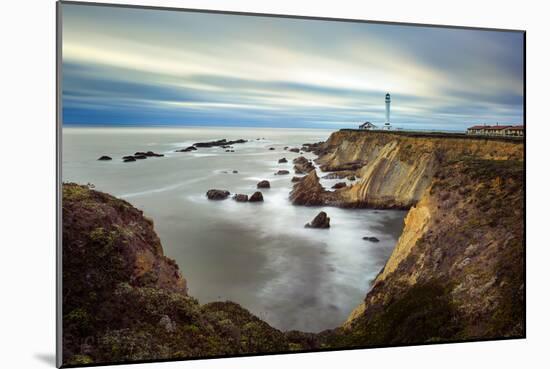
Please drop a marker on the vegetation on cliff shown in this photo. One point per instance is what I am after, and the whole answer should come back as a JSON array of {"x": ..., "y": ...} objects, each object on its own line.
[
  {"x": 124, "y": 301},
  {"x": 459, "y": 274}
]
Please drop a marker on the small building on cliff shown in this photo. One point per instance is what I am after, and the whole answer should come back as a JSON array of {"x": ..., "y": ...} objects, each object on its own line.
[
  {"x": 496, "y": 130},
  {"x": 367, "y": 125}
]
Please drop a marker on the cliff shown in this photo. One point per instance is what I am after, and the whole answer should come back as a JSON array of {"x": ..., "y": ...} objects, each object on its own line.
[
  {"x": 123, "y": 300},
  {"x": 457, "y": 272},
  {"x": 395, "y": 168}
]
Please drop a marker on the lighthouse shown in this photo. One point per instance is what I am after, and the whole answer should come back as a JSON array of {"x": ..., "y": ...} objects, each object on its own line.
[{"x": 387, "y": 124}]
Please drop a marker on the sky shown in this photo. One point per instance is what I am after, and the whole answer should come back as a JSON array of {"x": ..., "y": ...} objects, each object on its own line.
[{"x": 142, "y": 67}]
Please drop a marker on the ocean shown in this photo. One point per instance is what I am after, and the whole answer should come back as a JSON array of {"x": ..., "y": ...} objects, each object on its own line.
[{"x": 256, "y": 254}]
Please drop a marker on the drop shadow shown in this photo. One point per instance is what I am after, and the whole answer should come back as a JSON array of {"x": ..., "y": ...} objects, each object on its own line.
[{"x": 46, "y": 358}]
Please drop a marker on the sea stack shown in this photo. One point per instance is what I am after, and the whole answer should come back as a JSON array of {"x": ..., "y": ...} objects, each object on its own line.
[{"x": 320, "y": 221}]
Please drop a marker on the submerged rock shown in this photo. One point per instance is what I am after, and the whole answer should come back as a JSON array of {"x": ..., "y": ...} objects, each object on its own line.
[
  {"x": 256, "y": 197},
  {"x": 127, "y": 159},
  {"x": 371, "y": 239},
  {"x": 294, "y": 149},
  {"x": 217, "y": 194},
  {"x": 148, "y": 154},
  {"x": 222, "y": 142},
  {"x": 105, "y": 157},
  {"x": 282, "y": 172},
  {"x": 320, "y": 221},
  {"x": 263, "y": 184},
  {"x": 187, "y": 149},
  {"x": 271, "y": 148},
  {"x": 283, "y": 160},
  {"x": 235, "y": 171},
  {"x": 140, "y": 157},
  {"x": 240, "y": 197}
]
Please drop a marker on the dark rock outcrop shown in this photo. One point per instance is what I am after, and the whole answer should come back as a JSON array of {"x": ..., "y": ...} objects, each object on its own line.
[
  {"x": 105, "y": 157},
  {"x": 271, "y": 148},
  {"x": 128, "y": 159},
  {"x": 187, "y": 149},
  {"x": 371, "y": 239},
  {"x": 217, "y": 194},
  {"x": 296, "y": 179},
  {"x": 222, "y": 142},
  {"x": 240, "y": 197},
  {"x": 282, "y": 172},
  {"x": 294, "y": 149},
  {"x": 263, "y": 184},
  {"x": 140, "y": 157},
  {"x": 148, "y": 154},
  {"x": 320, "y": 221},
  {"x": 283, "y": 160},
  {"x": 256, "y": 197}
]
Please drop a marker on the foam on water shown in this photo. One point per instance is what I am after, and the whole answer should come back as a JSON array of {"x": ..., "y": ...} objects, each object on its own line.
[{"x": 257, "y": 254}]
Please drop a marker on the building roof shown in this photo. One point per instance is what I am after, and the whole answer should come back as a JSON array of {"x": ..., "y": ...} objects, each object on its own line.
[{"x": 367, "y": 124}]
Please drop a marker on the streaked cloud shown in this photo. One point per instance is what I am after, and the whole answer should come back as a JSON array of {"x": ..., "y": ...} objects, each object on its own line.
[{"x": 135, "y": 66}]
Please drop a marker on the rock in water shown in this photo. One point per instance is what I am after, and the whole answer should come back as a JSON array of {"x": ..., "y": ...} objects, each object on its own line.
[
  {"x": 283, "y": 160},
  {"x": 296, "y": 179},
  {"x": 294, "y": 149},
  {"x": 187, "y": 149},
  {"x": 127, "y": 159},
  {"x": 235, "y": 171},
  {"x": 263, "y": 184},
  {"x": 148, "y": 154},
  {"x": 339, "y": 185},
  {"x": 371, "y": 239},
  {"x": 256, "y": 197},
  {"x": 217, "y": 194},
  {"x": 222, "y": 142},
  {"x": 308, "y": 191},
  {"x": 271, "y": 148},
  {"x": 240, "y": 197},
  {"x": 302, "y": 165},
  {"x": 105, "y": 157},
  {"x": 320, "y": 221},
  {"x": 282, "y": 172},
  {"x": 351, "y": 178}
]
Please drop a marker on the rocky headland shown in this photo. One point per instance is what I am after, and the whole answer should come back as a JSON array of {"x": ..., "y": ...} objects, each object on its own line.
[
  {"x": 123, "y": 300},
  {"x": 456, "y": 273}
]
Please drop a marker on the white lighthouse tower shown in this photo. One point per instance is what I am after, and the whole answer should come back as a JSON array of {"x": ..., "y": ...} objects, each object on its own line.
[{"x": 387, "y": 124}]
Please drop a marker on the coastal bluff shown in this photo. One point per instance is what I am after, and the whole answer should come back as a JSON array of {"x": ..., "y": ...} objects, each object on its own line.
[
  {"x": 394, "y": 168},
  {"x": 457, "y": 271},
  {"x": 123, "y": 300}
]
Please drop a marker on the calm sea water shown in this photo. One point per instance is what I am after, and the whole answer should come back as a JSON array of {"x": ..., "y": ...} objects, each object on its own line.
[{"x": 257, "y": 254}]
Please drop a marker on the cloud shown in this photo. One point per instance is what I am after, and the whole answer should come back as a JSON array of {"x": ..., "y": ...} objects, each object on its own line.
[{"x": 135, "y": 66}]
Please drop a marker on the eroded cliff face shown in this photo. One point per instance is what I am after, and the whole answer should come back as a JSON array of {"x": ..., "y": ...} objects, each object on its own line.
[
  {"x": 396, "y": 168},
  {"x": 457, "y": 271},
  {"x": 123, "y": 300}
]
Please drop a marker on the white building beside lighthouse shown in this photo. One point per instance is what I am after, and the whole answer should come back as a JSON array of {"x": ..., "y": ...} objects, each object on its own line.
[{"x": 387, "y": 124}]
